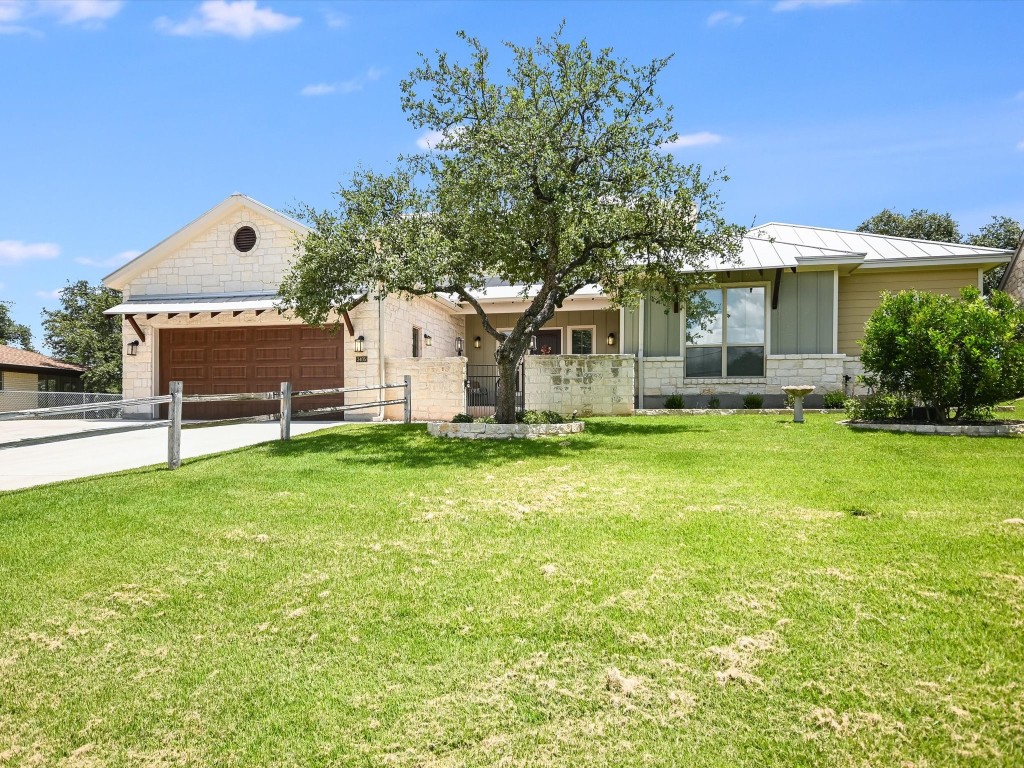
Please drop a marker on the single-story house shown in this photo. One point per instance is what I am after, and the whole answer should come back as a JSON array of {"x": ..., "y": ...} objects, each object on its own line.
[
  {"x": 32, "y": 372},
  {"x": 200, "y": 307},
  {"x": 1012, "y": 280},
  {"x": 24, "y": 374}
]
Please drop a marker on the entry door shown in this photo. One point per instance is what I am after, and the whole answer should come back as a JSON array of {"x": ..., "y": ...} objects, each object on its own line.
[{"x": 549, "y": 342}]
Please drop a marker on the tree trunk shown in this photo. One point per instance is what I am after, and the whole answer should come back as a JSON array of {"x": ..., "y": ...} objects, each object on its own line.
[{"x": 505, "y": 413}]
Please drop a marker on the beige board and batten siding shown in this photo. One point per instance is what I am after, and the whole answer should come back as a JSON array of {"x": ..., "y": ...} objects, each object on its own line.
[
  {"x": 861, "y": 293},
  {"x": 802, "y": 323},
  {"x": 604, "y": 321}
]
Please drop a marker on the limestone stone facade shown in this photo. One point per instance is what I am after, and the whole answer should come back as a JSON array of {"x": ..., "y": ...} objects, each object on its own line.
[
  {"x": 438, "y": 387},
  {"x": 592, "y": 385},
  {"x": 1013, "y": 281},
  {"x": 664, "y": 376},
  {"x": 207, "y": 264}
]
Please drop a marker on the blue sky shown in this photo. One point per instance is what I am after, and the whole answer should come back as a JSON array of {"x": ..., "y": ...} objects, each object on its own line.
[{"x": 121, "y": 122}]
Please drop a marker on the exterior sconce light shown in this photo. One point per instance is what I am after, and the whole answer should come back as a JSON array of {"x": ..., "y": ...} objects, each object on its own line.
[
  {"x": 427, "y": 339},
  {"x": 611, "y": 339},
  {"x": 133, "y": 348},
  {"x": 476, "y": 343},
  {"x": 360, "y": 344},
  {"x": 458, "y": 346},
  {"x": 533, "y": 343}
]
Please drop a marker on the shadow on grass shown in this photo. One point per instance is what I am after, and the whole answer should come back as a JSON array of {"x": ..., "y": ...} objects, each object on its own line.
[
  {"x": 411, "y": 446},
  {"x": 623, "y": 428}
]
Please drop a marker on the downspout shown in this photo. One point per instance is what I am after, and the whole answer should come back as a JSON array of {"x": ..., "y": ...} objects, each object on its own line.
[
  {"x": 380, "y": 355},
  {"x": 640, "y": 355}
]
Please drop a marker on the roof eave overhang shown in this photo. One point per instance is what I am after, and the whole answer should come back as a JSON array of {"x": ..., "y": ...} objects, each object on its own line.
[
  {"x": 984, "y": 261},
  {"x": 40, "y": 369}
]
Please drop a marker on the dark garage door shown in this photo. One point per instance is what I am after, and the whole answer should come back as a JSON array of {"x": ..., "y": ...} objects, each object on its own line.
[{"x": 216, "y": 361}]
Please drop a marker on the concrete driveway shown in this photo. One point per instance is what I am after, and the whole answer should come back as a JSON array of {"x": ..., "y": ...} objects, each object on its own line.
[{"x": 46, "y": 455}]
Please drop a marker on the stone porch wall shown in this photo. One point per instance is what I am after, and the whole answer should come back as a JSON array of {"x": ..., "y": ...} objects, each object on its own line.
[
  {"x": 438, "y": 387},
  {"x": 663, "y": 376},
  {"x": 593, "y": 385}
]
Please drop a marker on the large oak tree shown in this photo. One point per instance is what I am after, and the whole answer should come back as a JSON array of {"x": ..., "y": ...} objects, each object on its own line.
[{"x": 553, "y": 176}]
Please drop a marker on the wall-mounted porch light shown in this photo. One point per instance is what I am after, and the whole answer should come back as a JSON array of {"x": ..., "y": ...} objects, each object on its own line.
[
  {"x": 611, "y": 339},
  {"x": 133, "y": 348},
  {"x": 458, "y": 346},
  {"x": 360, "y": 344},
  {"x": 476, "y": 343},
  {"x": 427, "y": 339},
  {"x": 533, "y": 343}
]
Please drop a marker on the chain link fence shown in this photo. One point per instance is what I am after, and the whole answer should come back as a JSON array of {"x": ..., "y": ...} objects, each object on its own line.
[{"x": 23, "y": 400}]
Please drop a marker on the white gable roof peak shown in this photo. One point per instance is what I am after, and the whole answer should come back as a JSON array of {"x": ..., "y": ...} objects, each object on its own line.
[{"x": 120, "y": 277}]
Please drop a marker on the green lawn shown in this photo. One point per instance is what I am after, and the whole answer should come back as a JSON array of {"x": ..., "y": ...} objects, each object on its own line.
[{"x": 656, "y": 591}]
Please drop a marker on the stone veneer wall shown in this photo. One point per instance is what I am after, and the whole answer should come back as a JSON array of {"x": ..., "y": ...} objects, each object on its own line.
[
  {"x": 438, "y": 387},
  {"x": 663, "y": 376},
  {"x": 593, "y": 385},
  {"x": 1015, "y": 278}
]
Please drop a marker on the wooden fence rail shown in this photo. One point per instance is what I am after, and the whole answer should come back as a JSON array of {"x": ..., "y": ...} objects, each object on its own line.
[{"x": 177, "y": 398}]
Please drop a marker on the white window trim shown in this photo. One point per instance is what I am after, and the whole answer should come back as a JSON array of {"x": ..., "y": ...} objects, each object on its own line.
[
  {"x": 725, "y": 328},
  {"x": 567, "y": 342}
]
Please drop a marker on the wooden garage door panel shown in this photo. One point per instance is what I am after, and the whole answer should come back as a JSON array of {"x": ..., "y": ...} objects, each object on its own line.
[{"x": 229, "y": 360}]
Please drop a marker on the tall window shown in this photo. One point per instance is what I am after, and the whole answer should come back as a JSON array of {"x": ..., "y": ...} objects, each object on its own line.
[
  {"x": 417, "y": 342},
  {"x": 732, "y": 344},
  {"x": 581, "y": 340}
]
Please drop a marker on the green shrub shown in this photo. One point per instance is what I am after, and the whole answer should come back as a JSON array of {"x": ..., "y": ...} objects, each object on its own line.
[
  {"x": 539, "y": 417},
  {"x": 957, "y": 357},
  {"x": 674, "y": 401},
  {"x": 878, "y": 407},
  {"x": 485, "y": 420},
  {"x": 462, "y": 418},
  {"x": 835, "y": 399},
  {"x": 753, "y": 402},
  {"x": 790, "y": 400},
  {"x": 714, "y": 402}
]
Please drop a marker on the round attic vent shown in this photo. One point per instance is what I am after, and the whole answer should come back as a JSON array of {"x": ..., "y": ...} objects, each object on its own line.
[{"x": 245, "y": 239}]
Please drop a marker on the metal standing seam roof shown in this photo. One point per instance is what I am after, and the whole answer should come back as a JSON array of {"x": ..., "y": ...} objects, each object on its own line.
[{"x": 222, "y": 303}]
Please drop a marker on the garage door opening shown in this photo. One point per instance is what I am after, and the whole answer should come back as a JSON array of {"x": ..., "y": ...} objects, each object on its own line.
[{"x": 220, "y": 361}]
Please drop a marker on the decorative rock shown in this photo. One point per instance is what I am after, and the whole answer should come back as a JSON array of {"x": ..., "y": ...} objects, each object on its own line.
[{"x": 480, "y": 431}]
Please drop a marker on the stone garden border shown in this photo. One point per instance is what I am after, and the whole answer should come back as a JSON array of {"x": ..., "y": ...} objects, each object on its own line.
[
  {"x": 970, "y": 430},
  {"x": 728, "y": 411},
  {"x": 481, "y": 431}
]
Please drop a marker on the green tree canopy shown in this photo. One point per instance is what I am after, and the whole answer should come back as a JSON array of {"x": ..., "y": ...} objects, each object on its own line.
[
  {"x": 919, "y": 224},
  {"x": 80, "y": 333},
  {"x": 553, "y": 176},
  {"x": 1001, "y": 232},
  {"x": 11, "y": 332}
]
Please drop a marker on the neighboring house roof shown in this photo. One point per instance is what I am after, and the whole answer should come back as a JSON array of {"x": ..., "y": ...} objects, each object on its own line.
[
  {"x": 1016, "y": 263},
  {"x": 119, "y": 278},
  {"x": 14, "y": 359}
]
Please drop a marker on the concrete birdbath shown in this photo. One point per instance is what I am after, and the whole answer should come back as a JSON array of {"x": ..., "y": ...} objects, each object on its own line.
[{"x": 798, "y": 393}]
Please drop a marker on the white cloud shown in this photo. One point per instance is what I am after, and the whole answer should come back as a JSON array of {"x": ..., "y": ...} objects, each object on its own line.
[
  {"x": 700, "y": 139},
  {"x": 796, "y": 5},
  {"x": 54, "y": 294},
  {"x": 345, "y": 86},
  {"x": 113, "y": 261},
  {"x": 336, "y": 20},
  {"x": 88, "y": 12},
  {"x": 431, "y": 139},
  {"x": 236, "y": 18},
  {"x": 725, "y": 17},
  {"x": 17, "y": 251}
]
